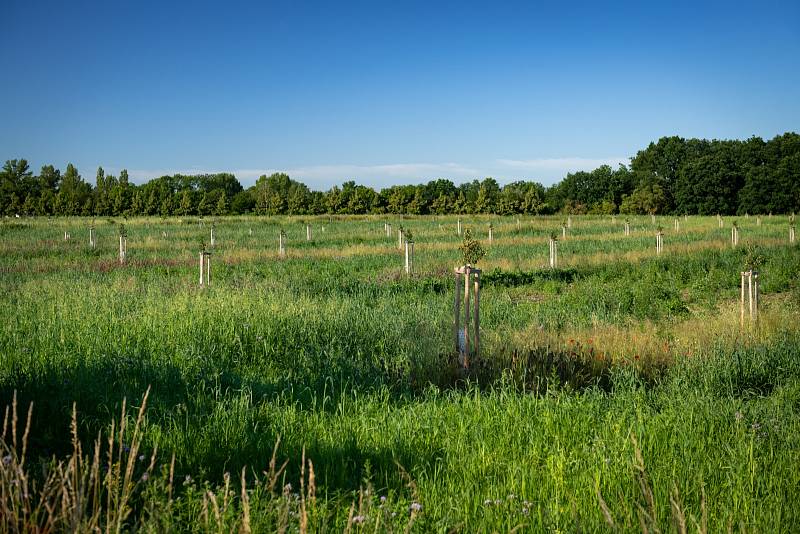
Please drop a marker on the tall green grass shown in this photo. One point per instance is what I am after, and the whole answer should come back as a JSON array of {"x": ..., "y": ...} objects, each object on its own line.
[{"x": 347, "y": 363}]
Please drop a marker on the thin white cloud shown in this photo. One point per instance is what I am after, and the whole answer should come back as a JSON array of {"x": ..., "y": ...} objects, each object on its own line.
[
  {"x": 561, "y": 164},
  {"x": 323, "y": 177}
]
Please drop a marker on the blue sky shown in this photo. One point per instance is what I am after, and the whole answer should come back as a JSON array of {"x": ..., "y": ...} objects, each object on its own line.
[{"x": 386, "y": 92}]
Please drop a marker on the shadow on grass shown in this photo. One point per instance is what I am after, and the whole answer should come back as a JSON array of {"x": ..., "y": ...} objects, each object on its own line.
[
  {"x": 217, "y": 420},
  {"x": 214, "y": 422}
]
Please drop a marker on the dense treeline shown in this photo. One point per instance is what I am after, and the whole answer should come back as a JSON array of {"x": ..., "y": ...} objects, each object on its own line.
[{"x": 674, "y": 175}]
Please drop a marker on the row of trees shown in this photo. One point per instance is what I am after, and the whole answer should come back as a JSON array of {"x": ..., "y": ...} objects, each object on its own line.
[
  {"x": 693, "y": 176},
  {"x": 674, "y": 175}
]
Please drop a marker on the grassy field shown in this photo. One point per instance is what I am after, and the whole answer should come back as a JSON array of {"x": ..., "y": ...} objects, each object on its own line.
[{"x": 321, "y": 392}]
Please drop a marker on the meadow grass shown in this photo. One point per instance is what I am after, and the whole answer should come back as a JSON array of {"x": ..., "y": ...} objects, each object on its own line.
[{"x": 617, "y": 392}]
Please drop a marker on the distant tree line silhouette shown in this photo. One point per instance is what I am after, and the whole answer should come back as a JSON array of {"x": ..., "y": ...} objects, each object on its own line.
[{"x": 672, "y": 176}]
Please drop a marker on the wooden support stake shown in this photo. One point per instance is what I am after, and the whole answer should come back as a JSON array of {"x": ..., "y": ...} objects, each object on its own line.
[
  {"x": 466, "y": 316},
  {"x": 477, "y": 326},
  {"x": 757, "y": 293},
  {"x": 457, "y": 314},
  {"x": 467, "y": 345},
  {"x": 741, "y": 302}
]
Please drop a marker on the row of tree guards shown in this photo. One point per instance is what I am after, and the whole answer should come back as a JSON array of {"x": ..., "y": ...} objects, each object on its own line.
[
  {"x": 403, "y": 240},
  {"x": 468, "y": 277}
]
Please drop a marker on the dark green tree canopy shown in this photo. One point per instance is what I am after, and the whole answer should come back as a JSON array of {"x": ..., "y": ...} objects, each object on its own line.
[{"x": 672, "y": 175}]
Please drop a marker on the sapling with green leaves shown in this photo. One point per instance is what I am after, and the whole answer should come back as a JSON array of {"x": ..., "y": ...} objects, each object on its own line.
[
  {"x": 467, "y": 338},
  {"x": 754, "y": 258},
  {"x": 471, "y": 250}
]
